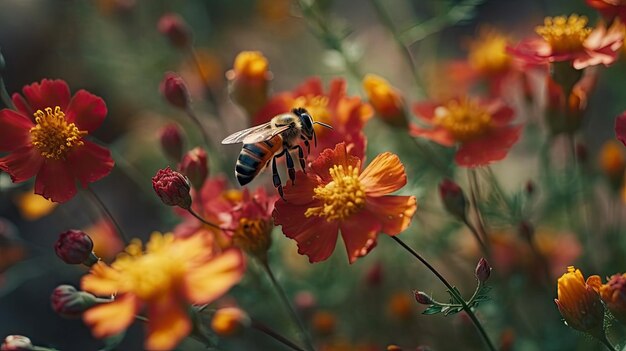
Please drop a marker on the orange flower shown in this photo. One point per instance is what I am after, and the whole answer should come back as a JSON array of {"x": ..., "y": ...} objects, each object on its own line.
[
  {"x": 482, "y": 129},
  {"x": 347, "y": 114},
  {"x": 337, "y": 195},
  {"x": 613, "y": 161},
  {"x": 167, "y": 278},
  {"x": 106, "y": 240},
  {"x": 579, "y": 303},
  {"x": 250, "y": 78},
  {"x": 386, "y": 100},
  {"x": 613, "y": 293}
]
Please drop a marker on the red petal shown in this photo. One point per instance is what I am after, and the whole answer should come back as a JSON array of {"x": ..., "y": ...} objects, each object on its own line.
[
  {"x": 490, "y": 148},
  {"x": 48, "y": 93},
  {"x": 55, "y": 181},
  {"x": 22, "y": 106},
  {"x": 334, "y": 157},
  {"x": 359, "y": 234},
  {"x": 425, "y": 110},
  {"x": 169, "y": 323},
  {"x": 312, "y": 86},
  {"x": 89, "y": 162},
  {"x": 384, "y": 175},
  {"x": 22, "y": 163},
  {"x": 438, "y": 135},
  {"x": 279, "y": 103},
  {"x": 86, "y": 110},
  {"x": 394, "y": 212},
  {"x": 620, "y": 128},
  {"x": 302, "y": 191},
  {"x": 14, "y": 129},
  {"x": 336, "y": 92},
  {"x": 501, "y": 114}
]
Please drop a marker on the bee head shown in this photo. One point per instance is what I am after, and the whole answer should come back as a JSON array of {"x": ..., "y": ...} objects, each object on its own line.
[{"x": 306, "y": 121}]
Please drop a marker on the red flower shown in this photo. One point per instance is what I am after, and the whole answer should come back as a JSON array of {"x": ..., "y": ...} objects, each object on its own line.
[
  {"x": 480, "y": 128},
  {"x": 45, "y": 137},
  {"x": 337, "y": 195},
  {"x": 347, "y": 114},
  {"x": 569, "y": 39},
  {"x": 609, "y": 8}
]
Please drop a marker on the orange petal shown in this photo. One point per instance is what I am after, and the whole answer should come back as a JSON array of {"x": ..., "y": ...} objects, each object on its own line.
[
  {"x": 211, "y": 280},
  {"x": 102, "y": 280},
  {"x": 111, "y": 318},
  {"x": 384, "y": 175},
  {"x": 394, "y": 212},
  {"x": 359, "y": 234},
  {"x": 168, "y": 323}
]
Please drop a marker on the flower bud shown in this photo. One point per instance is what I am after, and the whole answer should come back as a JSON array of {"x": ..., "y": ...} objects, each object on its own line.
[
  {"x": 175, "y": 91},
  {"x": 16, "y": 343},
  {"x": 422, "y": 298},
  {"x": 393, "y": 348},
  {"x": 195, "y": 167},
  {"x": 400, "y": 306},
  {"x": 229, "y": 321},
  {"x": 453, "y": 198},
  {"x": 483, "y": 270},
  {"x": 172, "y": 140},
  {"x": 324, "y": 322},
  {"x": 530, "y": 187},
  {"x": 579, "y": 303},
  {"x": 70, "y": 303},
  {"x": 75, "y": 247},
  {"x": 620, "y": 128},
  {"x": 172, "y": 188},
  {"x": 613, "y": 293},
  {"x": 305, "y": 303},
  {"x": 374, "y": 275},
  {"x": 613, "y": 162},
  {"x": 249, "y": 79},
  {"x": 175, "y": 29},
  {"x": 386, "y": 100}
]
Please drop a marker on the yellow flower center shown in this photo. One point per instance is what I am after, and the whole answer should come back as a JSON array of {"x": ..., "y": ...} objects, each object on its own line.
[
  {"x": 565, "y": 34},
  {"x": 487, "y": 54},
  {"x": 251, "y": 64},
  {"x": 52, "y": 135},
  {"x": 464, "y": 119},
  {"x": 252, "y": 235},
  {"x": 317, "y": 107},
  {"x": 342, "y": 197}
]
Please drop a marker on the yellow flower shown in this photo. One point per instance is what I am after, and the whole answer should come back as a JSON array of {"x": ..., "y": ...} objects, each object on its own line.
[
  {"x": 579, "y": 302},
  {"x": 166, "y": 278},
  {"x": 249, "y": 81},
  {"x": 487, "y": 53},
  {"x": 33, "y": 206},
  {"x": 385, "y": 99},
  {"x": 251, "y": 65},
  {"x": 613, "y": 293}
]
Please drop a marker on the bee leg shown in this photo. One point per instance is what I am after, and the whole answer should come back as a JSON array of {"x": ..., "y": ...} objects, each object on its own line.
[
  {"x": 276, "y": 178},
  {"x": 291, "y": 168},
  {"x": 300, "y": 156},
  {"x": 306, "y": 143}
]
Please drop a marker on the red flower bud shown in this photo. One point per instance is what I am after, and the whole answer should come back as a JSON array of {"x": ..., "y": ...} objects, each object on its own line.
[
  {"x": 172, "y": 187},
  {"x": 175, "y": 29},
  {"x": 75, "y": 247},
  {"x": 374, "y": 275},
  {"x": 422, "y": 298},
  {"x": 530, "y": 187},
  {"x": 620, "y": 128},
  {"x": 174, "y": 89},
  {"x": 171, "y": 137},
  {"x": 194, "y": 166},
  {"x": 483, "y": 270},
  {"x": 305, "y": 303},
  {"x": 70, "y": 303},
  {"x": 453, "y": 198},
  {"x": 16, "y": 343}
]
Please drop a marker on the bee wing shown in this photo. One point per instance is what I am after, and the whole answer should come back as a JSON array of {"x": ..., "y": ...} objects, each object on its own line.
[
  {"x": 264, "y": 134},
  {"x": 239, "y": 136}
]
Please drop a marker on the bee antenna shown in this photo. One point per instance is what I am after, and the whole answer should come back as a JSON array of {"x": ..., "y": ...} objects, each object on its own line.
[{"x": 323, "y": 124}]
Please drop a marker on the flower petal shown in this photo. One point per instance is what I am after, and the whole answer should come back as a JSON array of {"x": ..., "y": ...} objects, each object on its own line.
[
  {"x": 168, "y": 323},
  {"x": 89, "y": 162},
  {"x": 359, "y": 234},
  {"x": 501, "y": 114},
  {"x": 86, "y": 110},
  {"x": 279, "y": 103},
  {"x": 55, "y": 181},
  {"x": 14, "y": 130},
  {"x": 333, "y": 157},
  {"x": 312, "y": 86},
  {"x": 22, "y": 106},
  {"x": 394, "y": 212},
  {"x": 102, "y": 280},
  {"x": 112, "y": 318},
  {"x": 438, "y": 135},
  {"x": 22, "y": 163},
  {"x": 425, "y": 110},
  {"x": 302, "y": 191},
  {"x": 211, "y": 280},
  {"x": 489, "y": 148},
  {"x": 384, "y": 175},
  {"x": 48, "y": 93}
]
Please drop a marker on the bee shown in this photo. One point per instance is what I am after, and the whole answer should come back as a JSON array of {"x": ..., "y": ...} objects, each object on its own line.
[{"x": 267, "y": 142}]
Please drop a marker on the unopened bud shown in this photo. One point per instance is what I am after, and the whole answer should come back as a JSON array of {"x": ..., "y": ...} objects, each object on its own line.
[
  {"x": 175, "y": 29},
  {"x": 422, "y": 298},
  {"x": 386, "y": 100},
  {"x": 249, "y": 81},
  {"x": 613, "y": 162},
  {"x": 529, "y": 187},
  {"x": 305, "y": 303},
  {"x": 620, "y": 128},
  {"x": 229, "y": 321},
  {"x": 483, "y": 270},
  {"x": 393, "y": 348},
  {"x": 16, "y": 343},
  {"x": 453, "y": 198},
  {"x": 175, "y": 91},
  {"x": 374, "y": 275},
  {"x": 324, "y": 322},
  {"x": 75, "y": 247},
  {"x": 195, "y": 167},
  {"x": 172, "y": 141},
  {"x": 172, "y": 188},
  {"x": 70, "y": 303}
]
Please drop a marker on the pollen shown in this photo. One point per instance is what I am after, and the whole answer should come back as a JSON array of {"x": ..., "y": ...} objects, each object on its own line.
[
  {"x": 464, "y": 119},
  {"x": 342, "y": 197},
  {"x": 52, "y": 135},
  {"x": 487, "y": 54},
  {"x": 565, "y": 34}
]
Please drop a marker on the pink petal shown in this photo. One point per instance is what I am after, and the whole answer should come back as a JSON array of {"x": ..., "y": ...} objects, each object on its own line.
[
  {"x": 89, "y": 162},
  {"x": 359, "y": 234},
  {"x": 55, "y": 181},
  {"x": 86, "y": 110},
  {"x": 489, "y": 148},
  {"x": 14, "y": 130},
  {"x": 22, "y": 164},
  {"x": 48, "y": 93},
  {"x": 438, "y": 135}
]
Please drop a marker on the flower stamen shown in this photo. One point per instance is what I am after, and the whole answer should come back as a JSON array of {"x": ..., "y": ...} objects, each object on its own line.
[
  {"x": 565, "y": 34},
  {"x": 464, "y": 119},
  {"x": 342, "y": 197},
  {"x": 53, "y": 136}
]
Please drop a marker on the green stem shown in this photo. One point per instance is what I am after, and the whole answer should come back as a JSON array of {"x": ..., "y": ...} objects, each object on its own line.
[
  {"x": 4, "y": 95},
  {"x": 275, "y": 335},
  {"x": 474, "y": 189},
  {"x": 285, "y": 300},
  {"x": 194, "y": 118},
  {"x": 452, "y": 291},
  {"x": 606, "y": 343},
  {"x": 193, "y": 213},
  {"x": 96, "y": 199}
]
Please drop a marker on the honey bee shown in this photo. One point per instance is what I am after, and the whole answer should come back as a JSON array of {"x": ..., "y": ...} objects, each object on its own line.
[{"x": 271, "y": 140}]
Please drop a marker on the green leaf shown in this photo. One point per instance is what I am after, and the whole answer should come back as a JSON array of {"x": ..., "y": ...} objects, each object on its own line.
[{"x": 432, "y": 309}]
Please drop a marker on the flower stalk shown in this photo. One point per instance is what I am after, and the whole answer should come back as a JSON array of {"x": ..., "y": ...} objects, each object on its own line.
[{"x": 104, "y": 209}]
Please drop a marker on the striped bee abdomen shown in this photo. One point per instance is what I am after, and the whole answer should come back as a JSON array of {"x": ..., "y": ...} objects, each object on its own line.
[{"x": 254, "y": 157}]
